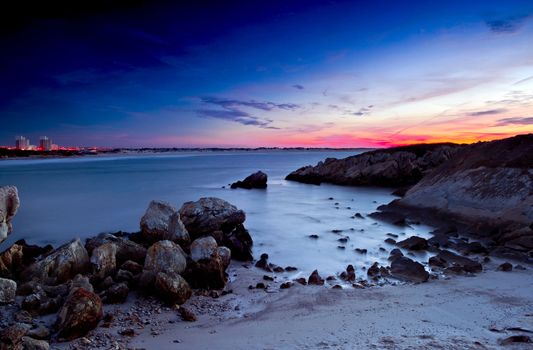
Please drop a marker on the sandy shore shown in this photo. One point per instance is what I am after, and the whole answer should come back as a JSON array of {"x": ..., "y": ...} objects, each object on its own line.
[{"x": 450, "y": 313}]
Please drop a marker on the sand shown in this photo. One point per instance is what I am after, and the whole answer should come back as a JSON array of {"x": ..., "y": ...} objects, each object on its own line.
[{"x": 455, "y": 313}]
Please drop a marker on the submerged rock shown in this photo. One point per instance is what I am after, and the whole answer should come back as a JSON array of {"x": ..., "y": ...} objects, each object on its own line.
[
  {"x": 161, "y": 221},
  {"x": 256, "y": 180},
  {"x": 447, "y": 259},
  {"x": 413, "y": 243},
  {"x": 407, "y": 269},
  {"x": 349, "y": 274},
  {"x": 80, "y": 314},
  {"x": 60, "y": 265},
  {"x": 315, "y": 279},
  {"x": 9, "y": 203}
]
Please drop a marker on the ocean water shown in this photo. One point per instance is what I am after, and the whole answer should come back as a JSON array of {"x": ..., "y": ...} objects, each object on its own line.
[{"x": 66, "y": 198}]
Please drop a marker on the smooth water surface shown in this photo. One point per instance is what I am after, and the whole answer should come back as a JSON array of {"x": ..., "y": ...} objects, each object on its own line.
[{"x": 66, "y": 198}]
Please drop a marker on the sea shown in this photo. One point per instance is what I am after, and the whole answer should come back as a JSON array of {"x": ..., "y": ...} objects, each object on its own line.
[{"x": 62, "y": 199}]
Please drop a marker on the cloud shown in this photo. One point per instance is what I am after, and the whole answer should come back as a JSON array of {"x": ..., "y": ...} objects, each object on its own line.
[
  {"x": 506, "y": 25},
  {"x": 363, "y": 111},
  {"x": 515, "y": 121},
  {"x": 236, "y": 116},
  {"x": 298, "y": 86},
  {"x": 487, "y": 112},
  {"x": 264, "y": 106},
  {"x": 523, "y": 80}
]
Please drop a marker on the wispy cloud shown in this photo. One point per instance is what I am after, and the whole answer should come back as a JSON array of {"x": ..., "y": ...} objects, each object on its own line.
[
  {"x": 298, "y": 86},
  {"x": 515, "y": 121},
  {"x": 523, "y": 80},
  {"x": 236, "y": 116},
  {"x": 487, "y": 112},
  {"x": 506, "y": 25},
  {"x": 262, "y": 105},
  {"x": 363, "y": 111}
]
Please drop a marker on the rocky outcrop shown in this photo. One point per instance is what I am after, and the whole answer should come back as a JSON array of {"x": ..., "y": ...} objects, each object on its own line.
[
  {"x": 9, "y": 203},
  {"x": 80, "y": 313},
  {"x": 407, "y": 269},
  {"x": 60, "y": 265},
  {"x": 162, "y": 222},
  {"x": 256, "y": 180},
  {"x": 398, "y": 166}
]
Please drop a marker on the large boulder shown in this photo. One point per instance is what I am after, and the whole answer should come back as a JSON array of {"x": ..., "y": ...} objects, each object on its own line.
[
  {"x": 126, "y": 249},
  {"x": 9, "y": 203},
  {"x": 256, "y": 180},
  {"x": 60, "y": 265},
  {"x": 162, "y": 256},
  {"x": 161, "y": 221},
  {"x": 454, "y": 262},
  {"x": 8, "y": 289},
  {"x": 210, "y": 214},
  {"x": 80, "y": 314},
  {"x": 103, "y": 261},
  {"x": 407, "y": 269},
  {"x": 172, "y": 288},
  {"x": 207, "y": 268}
]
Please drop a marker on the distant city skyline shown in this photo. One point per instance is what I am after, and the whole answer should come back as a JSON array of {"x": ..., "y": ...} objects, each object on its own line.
[{"x": 247, "y": 74}]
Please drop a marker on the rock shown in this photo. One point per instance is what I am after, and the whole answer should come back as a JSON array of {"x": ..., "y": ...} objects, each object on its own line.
[
  {"x": 172, "y": 288},
  {"x": 313, "y": 236},
  {"x": 262, "y": 263},
  {"x": 162, "y": 221},
  {"x": 360, "y": 250},
  {"x": 126, "y": 249},
  {"x": 240, "y": 243},
  {"x": 315, "y": 279},
  {"x": 225, "y": 256},
  {"x": 103, "y": 260},
  {"x": 11, "y": 337},
  {"x": 162, "y": 256},
  {"x": 447, "y": 259},
  {"x": 9, "y": 203},
  {"x": 399, "y": 166},
  {"x": 375, "y": 271},
  {"x": 60, "y": 265},
  {"x": 210, "y": 214},
  {"x": 8, "y": 290},
  {"x": 186, "y": 314},
  {"x": 80, "y": 313},
  {"x": 124, "y": 276},
  {"x": 285, "y": 285},
  {"x": 39, "y": 332},
  {"x": 291, "y": 268},
  {"x": 349, "y": 274},
  {"x": 19, "y": 256},
  {"x": 390, "y": 241},
  {"x": 395, "y": 254},
  {"x": 505, "y": 267},
  {"x": 116, "y": 294},
  {"x": 39, "y": 303},
  {"x": 413, "y": 243},
  {"x": 206, "y": 274},
  {"x": 256, "y": 180},
  {"x": 34, "y": 344},
  {"x": 132, "y": 267},
  {"x": 203, "y": 248},
  {"x": 407, "y": 269},
  {"x": 516, "y": 339},
  {"x": 301, "y": 280}
]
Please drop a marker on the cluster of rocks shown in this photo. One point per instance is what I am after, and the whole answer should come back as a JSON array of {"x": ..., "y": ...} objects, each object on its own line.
[
  {"x": 256, "y": 180},
  {"x": 9, "y": 203},
  {"x": 174, "y": 252}
]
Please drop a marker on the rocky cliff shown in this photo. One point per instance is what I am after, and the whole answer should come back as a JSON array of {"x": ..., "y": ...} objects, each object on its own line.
[{"x": 398, "y": 166}]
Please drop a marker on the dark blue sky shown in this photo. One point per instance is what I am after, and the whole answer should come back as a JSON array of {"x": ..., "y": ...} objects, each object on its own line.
[{"x": 250, "y": 73}]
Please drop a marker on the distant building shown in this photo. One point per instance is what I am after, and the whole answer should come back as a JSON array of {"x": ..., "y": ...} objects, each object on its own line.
[
  {"x": 22, "y": 143},
  {"x": 45, "y": 144}
]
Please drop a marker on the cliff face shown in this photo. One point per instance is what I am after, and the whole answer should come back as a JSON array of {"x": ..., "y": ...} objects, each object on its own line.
[
  {"x": 398, "y": 166},
  {"x": 490, "y": 181}
]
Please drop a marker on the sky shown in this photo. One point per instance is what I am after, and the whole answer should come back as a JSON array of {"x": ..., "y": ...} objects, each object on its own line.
[{"x": 265, "y": 73}]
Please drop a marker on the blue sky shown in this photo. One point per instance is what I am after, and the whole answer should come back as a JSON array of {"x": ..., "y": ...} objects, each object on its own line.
[{"x": 247, "y": 73}]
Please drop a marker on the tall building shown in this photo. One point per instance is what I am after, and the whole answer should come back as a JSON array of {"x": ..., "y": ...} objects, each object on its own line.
[
  {"x": 45, "y": 144},
  {"x": 22, "y": 143}
]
